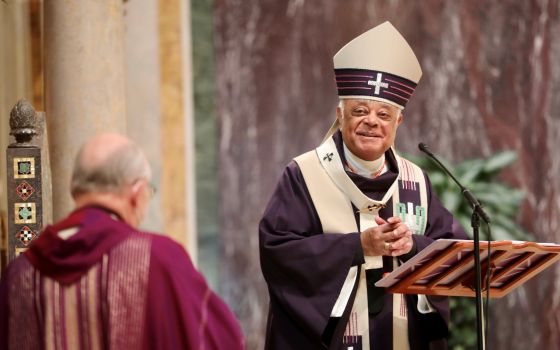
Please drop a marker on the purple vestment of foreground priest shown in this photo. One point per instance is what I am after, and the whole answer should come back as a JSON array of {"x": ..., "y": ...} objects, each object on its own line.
[{"x": 108, "y": 286}]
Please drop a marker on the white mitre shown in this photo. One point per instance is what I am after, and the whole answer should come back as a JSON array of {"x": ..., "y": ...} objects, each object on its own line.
[{"x": 377, "y": 65}]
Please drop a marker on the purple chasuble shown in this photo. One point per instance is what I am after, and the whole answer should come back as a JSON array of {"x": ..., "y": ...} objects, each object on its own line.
[
  {"x": 306, "y": 268},
  {"x": 109, "y": 286}
]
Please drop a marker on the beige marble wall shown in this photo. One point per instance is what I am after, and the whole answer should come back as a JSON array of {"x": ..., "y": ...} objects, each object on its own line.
[{"x": 109, "y": 66}]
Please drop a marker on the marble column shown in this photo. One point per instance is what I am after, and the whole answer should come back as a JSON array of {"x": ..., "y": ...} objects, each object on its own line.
[{"x": 84, "y": 82}]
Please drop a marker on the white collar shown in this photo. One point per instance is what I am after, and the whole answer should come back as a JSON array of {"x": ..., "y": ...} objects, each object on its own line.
[{"x": 365, "y": 168}]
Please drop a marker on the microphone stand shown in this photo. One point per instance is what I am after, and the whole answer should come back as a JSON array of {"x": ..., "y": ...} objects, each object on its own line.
[{"x": 477, "y": 214}]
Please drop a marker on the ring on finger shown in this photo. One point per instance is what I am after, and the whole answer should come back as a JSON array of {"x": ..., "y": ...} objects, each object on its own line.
[{"x": 387, "y": 246}]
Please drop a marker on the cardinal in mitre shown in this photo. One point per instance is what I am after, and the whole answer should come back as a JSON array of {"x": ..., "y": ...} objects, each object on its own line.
[{"x": 352, "y": 210}]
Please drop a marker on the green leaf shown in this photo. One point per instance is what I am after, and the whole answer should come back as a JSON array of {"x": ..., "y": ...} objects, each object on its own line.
[
  {"x": 500, "y": 200},
  {"x": 437, "y": 179},
  {"x": 468, "y": 171},
  {"x": 450, "y": 201},
  {"x": 465, "y": 222},
  {"x": 499, "y": 161}
]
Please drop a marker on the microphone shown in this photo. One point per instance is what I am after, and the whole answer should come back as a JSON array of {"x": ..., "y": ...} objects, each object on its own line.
[
  {"x": 475, "y": 204},
  {"x": 424, "y": 148}
]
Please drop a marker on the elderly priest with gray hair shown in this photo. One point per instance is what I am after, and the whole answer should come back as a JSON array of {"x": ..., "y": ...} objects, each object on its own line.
[
  {"x": 351, "y": 210},
  {"x": 94, "y": 280}
]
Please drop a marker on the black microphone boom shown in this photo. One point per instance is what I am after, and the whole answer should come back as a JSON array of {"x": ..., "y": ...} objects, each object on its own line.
[
  {"x": 478, "y": 212},
  {"x": 475, "y": 204}
]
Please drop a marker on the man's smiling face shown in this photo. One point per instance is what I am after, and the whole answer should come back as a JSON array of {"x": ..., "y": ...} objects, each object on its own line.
[{"x": 368, "y": 127}]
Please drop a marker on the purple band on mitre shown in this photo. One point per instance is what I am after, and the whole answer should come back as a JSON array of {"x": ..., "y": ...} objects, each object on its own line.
[{"x": 370, "y": 83}]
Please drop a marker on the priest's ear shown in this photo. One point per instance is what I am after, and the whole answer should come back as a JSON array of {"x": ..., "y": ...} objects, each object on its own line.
[
  {"x": 136, "y": 191},
  {"x": 339, "y": 113},
  {"x": 400, "y": 117}
]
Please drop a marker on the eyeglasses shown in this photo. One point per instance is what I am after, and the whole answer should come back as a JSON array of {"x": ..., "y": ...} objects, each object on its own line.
[{"x": 152, "y": 190}]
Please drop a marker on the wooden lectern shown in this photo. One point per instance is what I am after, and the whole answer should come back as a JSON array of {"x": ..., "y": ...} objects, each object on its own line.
[{"x": 446, "y": 267}]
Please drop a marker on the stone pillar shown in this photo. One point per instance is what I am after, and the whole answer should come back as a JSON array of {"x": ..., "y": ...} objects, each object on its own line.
[{"x": 84, "y": 82}]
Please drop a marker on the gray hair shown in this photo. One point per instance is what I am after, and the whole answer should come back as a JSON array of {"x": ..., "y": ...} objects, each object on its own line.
[{"x": 122, "y": 167}]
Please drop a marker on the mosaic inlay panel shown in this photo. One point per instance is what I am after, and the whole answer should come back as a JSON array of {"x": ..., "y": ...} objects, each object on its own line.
[
  {"x": 25, "y": 213},
  {"x": 23, "y": 165},
  {"x": 26, "y": 235},
  {"x": 24, "y": 190},
  {"x": 24, "y": 168}
]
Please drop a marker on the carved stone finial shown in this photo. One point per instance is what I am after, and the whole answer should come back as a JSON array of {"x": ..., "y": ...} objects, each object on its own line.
[{"x": 23, "y": 121}]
